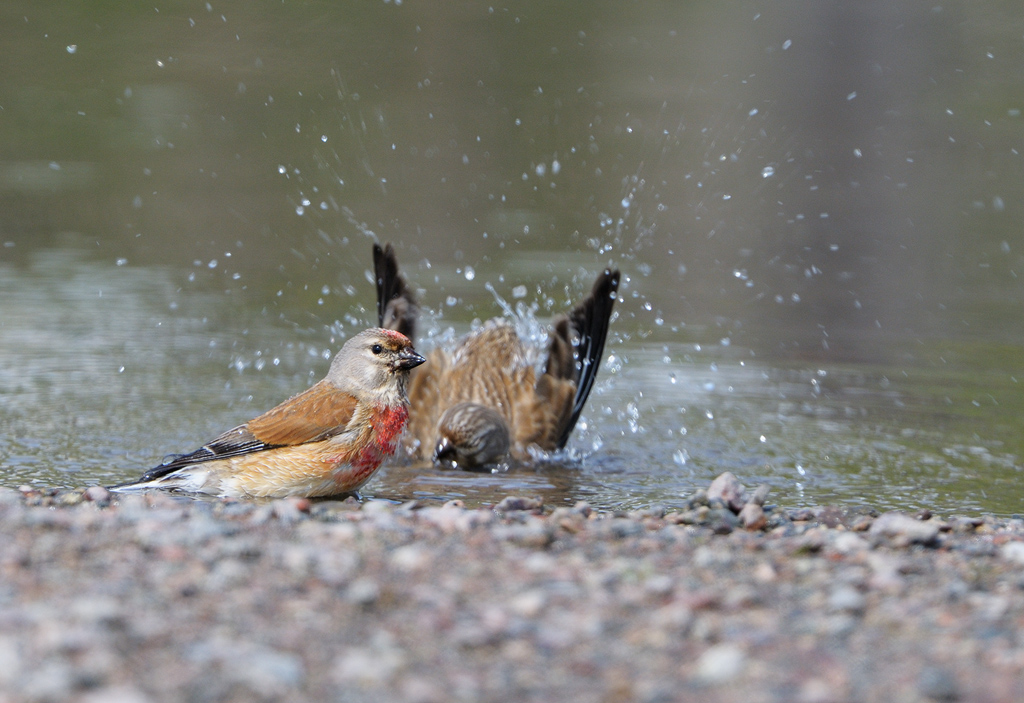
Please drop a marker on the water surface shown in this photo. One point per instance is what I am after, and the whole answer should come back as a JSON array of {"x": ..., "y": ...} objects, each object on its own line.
[{"x": 816, "y": 212}]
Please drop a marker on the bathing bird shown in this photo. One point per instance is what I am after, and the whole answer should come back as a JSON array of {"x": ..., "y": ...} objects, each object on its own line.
[
  {"x": 484, "y": 402},
  {"x": 327, "y": 440}
]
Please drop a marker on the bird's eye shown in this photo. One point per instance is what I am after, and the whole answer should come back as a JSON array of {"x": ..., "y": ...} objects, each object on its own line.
[{"x": 376, "y": 349}]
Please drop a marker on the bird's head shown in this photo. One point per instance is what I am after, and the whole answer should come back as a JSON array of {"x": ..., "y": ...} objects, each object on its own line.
[
  {"x": 472, "y": 436},
  {"x": 374, "y": 361}
]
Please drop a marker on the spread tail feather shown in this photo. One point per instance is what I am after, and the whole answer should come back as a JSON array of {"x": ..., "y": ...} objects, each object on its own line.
[{"x": 396, "y": 305}]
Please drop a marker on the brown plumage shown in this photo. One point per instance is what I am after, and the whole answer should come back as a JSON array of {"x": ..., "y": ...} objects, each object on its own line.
[
  {"x": 484, "y": 401},
  {"x": 327, "y": 440}
]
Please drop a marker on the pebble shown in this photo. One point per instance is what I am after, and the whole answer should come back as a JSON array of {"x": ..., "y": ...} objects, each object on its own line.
[
  {"x": 533, "y": 534},
  {"x": 760, "y": 495},
  {"x": 849, "y": 543},
  {"x": 722, "y": 521},
  {"x": 97, "y": 494},
  {"x": 529, "y": 604},
  {"x": 720, "y": 664},
  {"x": 752, "y": 516},
  {"x": 726, "y": 487},
  {"x": 268, "y": 671},
  {"x": 1013, "y": 552},
  {"x": 410, "y": 557},
  {"x": 619, "y": 528},
  {"x": 901, "y": 530},
  {"x": 290, "y": 509},
  {"x": 363, "y": 591},
  {"x": 513, "y": 503},
  {"x": 801, "y": 515},
  {"x": 938, "y": 684},
  {"x": 847, "y": 599}
]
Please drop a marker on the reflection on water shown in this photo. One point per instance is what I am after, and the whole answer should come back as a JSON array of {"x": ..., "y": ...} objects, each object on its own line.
[{"x": 108, "y": 368}]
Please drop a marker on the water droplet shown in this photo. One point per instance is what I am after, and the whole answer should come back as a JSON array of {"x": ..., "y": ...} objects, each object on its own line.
[
  {"x": 72, "y": 48},
  {"x": 519, "y": 292},
  {"x": 470, "y": 274},
  {"x": 767, "y": 172},
  {"x": 122, "y": 261}
]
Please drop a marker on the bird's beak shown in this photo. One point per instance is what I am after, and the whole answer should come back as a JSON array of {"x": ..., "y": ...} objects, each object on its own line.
[
  {"x": 443, "y": 449},
  {"x": 444, "y": 452},
  {"x": 408, "y": 359}
]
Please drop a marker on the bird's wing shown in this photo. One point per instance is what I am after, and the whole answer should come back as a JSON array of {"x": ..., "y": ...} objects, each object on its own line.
[
  {"x": 396, "y": 305},
  {"x": 317, "y": 413},
  {"x": 320, "y": 412},
  {"x": 589, "y": 320},
  {"x": 234, "y": 442},
  {"x": 544, "y": 410}
]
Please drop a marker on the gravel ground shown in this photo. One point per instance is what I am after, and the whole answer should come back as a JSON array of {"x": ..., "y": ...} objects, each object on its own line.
[{"x": 125, "y": 599}]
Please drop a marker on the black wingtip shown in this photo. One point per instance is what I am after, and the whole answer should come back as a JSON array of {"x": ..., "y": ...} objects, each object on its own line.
[
  {"x": 590, "y": 321},
  {"x": 396, "y": 305},
  {"x": 385, "y": 269}
]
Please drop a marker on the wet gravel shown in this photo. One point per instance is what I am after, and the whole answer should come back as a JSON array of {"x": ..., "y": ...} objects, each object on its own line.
[{"x": 128, "y": 599}]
